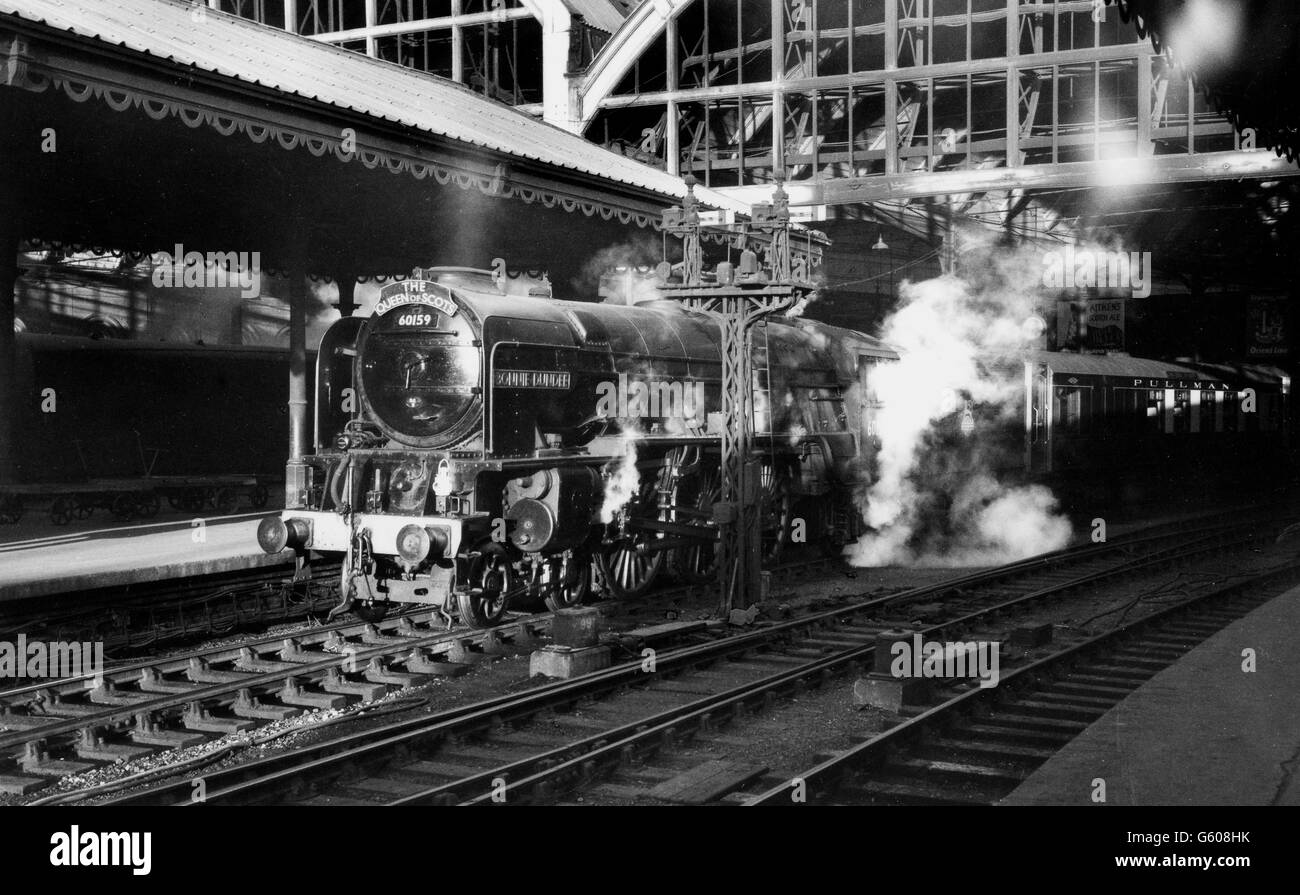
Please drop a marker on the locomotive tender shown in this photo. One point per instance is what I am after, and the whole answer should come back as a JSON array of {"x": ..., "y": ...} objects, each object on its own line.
[{"x": 476, "y": 448}]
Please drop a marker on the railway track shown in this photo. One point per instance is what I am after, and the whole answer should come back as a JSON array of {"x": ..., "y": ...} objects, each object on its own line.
[
  {"x": 977, "y": 745},
  {"x": 148, "y": 615},
  {"x": 59, "y": 728},
  {"x": 542, "y": 742},
  {"x": 153, "y": 614}
]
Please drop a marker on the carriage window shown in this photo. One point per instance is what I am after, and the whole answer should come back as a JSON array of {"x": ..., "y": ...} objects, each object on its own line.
[
  {"x": 1182, "y": 412},
  {"x": 1155, "y": 416},
  {"x": 1210, "y": 416},
  {"x": 1229, "y": 404},
  {"x": 1269, "y": 411},
  {"x": 1073, "y": 409}
]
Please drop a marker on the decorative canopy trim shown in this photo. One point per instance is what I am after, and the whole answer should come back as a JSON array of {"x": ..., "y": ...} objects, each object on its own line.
[{"x": 37, "y": 77}]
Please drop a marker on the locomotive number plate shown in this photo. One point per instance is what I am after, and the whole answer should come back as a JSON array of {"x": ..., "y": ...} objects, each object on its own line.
[{"x": 418, "y": 319}]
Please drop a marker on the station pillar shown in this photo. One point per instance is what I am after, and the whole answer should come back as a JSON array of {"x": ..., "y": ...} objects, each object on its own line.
[
  {"x": 8, "y": 348},
  {"x": 10, "y": 227},
  {"x": 296, "y": 471},
  {"x": 347, "y": 283}
]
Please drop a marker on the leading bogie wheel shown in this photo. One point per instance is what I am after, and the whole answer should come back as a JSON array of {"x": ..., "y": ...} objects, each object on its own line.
[
  {"x": 491, "y": 583},
  {"x": 575, "y": 584}
]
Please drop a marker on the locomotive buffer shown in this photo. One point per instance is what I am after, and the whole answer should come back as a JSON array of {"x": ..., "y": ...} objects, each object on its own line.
[{"x": 738, "y": 297}]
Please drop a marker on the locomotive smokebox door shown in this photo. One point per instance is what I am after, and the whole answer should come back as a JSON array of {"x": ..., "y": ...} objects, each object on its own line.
[{"x": 552, "y": 509}]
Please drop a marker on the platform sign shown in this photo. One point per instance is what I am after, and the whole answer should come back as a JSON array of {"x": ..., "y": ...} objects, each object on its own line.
[
  {"x": 1105, "y": 318},
  {"x": 1097, "y": 323}
]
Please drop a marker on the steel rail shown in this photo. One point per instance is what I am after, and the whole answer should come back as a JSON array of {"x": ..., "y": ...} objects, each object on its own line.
[
  {"x": 358, "y": 748},
  {"x": 828, "y": 774}
]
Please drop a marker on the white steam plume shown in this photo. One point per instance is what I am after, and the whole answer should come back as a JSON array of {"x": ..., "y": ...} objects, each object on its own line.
[
  {"x": 936, "y": 500},
  {"x": 623, "y": 482},
  {"x": 600, "y": 269}
]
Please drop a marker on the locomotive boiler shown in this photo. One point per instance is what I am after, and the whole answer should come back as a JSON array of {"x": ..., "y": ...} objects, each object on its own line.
[{"x": 478, "y": 449}]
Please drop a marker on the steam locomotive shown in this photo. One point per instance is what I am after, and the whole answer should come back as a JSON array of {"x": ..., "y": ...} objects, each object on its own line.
[
  {"x": 486, "y": 448},
  {"x": 489, "y": 447}
]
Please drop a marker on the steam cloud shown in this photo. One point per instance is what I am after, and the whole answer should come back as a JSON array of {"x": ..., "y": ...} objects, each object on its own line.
[
  {"x": 623, "y": 482},
  {"x": 937, "y": 498},
  {"x": 641, "y": 251}
]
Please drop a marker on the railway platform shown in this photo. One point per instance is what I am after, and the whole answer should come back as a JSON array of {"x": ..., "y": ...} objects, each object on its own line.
[
  {"x": 1205, "y": 731},
  {"x": 38, "y": 560}
]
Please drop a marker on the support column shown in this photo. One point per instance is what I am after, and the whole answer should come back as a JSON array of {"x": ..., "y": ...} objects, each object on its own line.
[
  {"x": 948, "y": 263},
  {"x": 672, "y": 128},
  {"x": 1012, "y": 111},
  {"x": 740, "y": 559},
  {"x": 296, "y": 472},
  {"x": 11, "y": 207},
  {"x": 347, "y": 283},
  {"x": 1145, "y": 147},
  {"x": 372, "y": 17},
  {"x": 557, "y": 105},
  {"x": 778, "y": 94},
  {"x": 891, "y": 87},
  {"x": 8, "y": 361},
  {"x": 458, "y": 47}
]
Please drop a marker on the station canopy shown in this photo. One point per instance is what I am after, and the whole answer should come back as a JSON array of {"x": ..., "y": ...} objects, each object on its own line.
[{"x": 143, "y": 124}]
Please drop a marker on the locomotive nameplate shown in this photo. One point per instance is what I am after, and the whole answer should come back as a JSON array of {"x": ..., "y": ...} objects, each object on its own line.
[
  {"x": 408, "y": 292},
  {"x": 531, "y": 379}
]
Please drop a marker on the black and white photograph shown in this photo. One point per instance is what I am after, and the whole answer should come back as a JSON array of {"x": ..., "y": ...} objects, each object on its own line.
[{"x": 650, "y": 403}]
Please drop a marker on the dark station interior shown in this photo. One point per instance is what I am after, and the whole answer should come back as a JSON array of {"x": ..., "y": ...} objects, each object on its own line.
[{"x": 370, "y": 364}]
